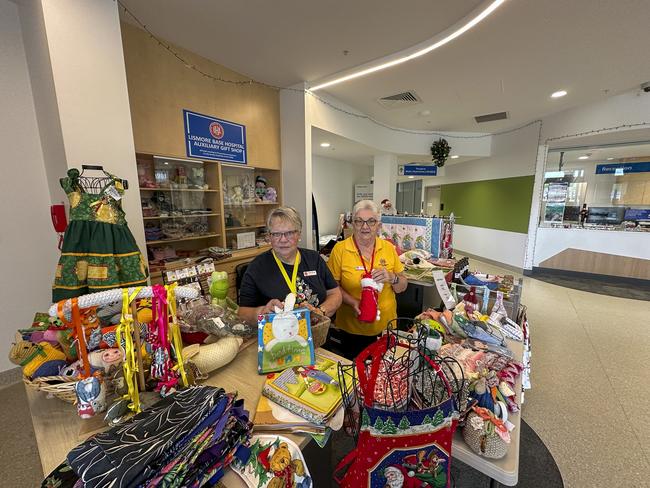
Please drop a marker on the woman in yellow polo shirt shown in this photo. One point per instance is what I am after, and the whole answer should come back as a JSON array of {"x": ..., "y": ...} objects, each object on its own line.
[{"x": 357, "y": 255}]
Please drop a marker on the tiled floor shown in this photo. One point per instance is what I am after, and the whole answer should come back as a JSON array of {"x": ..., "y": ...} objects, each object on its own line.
[
  {"x": 590, "y": 399},
  {"x": 589, "y": 403}
]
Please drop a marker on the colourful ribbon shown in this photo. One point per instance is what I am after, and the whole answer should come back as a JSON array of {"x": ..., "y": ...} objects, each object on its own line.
[
  {"x": 130, "y": 365},
  {"x": 175, "y": 330}
]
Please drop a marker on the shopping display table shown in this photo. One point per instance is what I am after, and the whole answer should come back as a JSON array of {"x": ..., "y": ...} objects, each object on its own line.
[
  {"x": 57, "y": 426},
  {"x": 506, "y": 469}
]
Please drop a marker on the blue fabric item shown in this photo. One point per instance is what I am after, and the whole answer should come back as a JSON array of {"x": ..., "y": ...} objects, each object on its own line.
[{"x": 474, "y": 281}]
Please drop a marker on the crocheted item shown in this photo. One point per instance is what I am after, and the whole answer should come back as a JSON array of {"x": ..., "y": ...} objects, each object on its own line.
[{"x": 37, "y": 359}]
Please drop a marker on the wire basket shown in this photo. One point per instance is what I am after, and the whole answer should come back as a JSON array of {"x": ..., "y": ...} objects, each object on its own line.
[
  {"x": 61, "y": 387},
  {"x": 405, "y": 380}
]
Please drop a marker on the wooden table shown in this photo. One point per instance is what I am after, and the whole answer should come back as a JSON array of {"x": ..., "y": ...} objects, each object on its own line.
[{"x": 57, "y": 425}]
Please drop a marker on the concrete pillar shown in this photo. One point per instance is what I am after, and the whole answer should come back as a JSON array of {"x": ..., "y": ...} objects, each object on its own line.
[
  {"x": 295, "y": 141},
  {"x": 76, "y": 63},
  {"x": 385, "y": 177}
]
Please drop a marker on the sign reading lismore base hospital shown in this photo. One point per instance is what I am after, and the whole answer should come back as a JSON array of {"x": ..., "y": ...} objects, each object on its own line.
[
  {"x": 211, "y": 138},
  {"x": 622, "y": 168},
  {"x": 417, "y": 170}
]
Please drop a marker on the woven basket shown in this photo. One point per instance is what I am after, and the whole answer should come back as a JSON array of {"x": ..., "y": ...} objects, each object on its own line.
[
  {"x": 62, "y": 387},
  {"x": 485, "y": 444},
  {"x": 320, "y": 329}
]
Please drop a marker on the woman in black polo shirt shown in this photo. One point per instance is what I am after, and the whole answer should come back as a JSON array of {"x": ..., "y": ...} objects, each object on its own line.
[{"x": 287, "y": 268}]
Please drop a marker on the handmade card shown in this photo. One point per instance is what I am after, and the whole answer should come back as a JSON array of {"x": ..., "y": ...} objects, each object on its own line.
[{"x": 284, "y": 339}]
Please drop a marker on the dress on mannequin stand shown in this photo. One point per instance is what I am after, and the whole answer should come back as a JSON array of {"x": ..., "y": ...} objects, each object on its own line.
[{"x": 99, "y": 252}]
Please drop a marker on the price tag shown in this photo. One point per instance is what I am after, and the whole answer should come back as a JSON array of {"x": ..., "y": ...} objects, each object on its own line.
[
  {"x": 112, "y": 192},
  {"x": 443, "y": 289}
]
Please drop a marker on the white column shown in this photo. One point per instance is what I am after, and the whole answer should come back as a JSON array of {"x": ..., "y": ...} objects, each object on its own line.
[
  {"x": 296, "y": 157},
  {"x": 385, "y": 177},
  {"x": 533, "y": 223},
  {"x": 76, "y": 62}
]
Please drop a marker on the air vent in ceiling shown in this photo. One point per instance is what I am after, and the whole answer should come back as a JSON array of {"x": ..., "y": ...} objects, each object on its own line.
[
  {"x": 400, "y": 100},
  {"x": 491, "y": 117}
]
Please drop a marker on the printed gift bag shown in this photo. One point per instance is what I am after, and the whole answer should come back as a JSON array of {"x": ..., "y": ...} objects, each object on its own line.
[{"x": 410, "y": 448}]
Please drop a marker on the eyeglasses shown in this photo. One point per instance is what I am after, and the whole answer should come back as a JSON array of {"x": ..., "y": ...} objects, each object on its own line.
[
  {"x": 359, "y": 222},
  {"x": 279, "y": 235}
]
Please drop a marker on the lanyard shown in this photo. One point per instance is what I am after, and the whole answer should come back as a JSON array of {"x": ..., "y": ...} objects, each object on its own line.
[
  {"x": 294, "y": 275},
  {"x": 372, "y": 261}
]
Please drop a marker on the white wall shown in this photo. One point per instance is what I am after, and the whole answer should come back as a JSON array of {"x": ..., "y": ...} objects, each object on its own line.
[
  {"x": 333, "y": 186},
  {"x": 553, "y": 241},
  {"x": 625, "y": 109},
  {"x": 498, "y": 245},
  {"x": 28, "y": 252}
]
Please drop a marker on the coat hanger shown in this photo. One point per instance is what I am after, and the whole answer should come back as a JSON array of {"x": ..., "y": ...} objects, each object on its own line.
[{"x": 96, "y": 183}]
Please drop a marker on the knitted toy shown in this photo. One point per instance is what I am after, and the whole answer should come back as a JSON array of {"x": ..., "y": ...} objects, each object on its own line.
[
  {"x": 41, "y": 359},
  {"x": 209, "y": 357},
  {"x": 368, "y": 305}
]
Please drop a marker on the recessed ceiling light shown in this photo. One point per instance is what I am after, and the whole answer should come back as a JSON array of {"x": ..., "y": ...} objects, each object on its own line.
[
  {"x": 421, "y": 52},
  {"x": 583, "y": 157},
  {"x": 558, "y": 94},
  {"x": 455, "y": 156},
  {"x": 610, "y": 159},
  {"x": 324, "y": 144},
  {"x": 411, "y": 177}
]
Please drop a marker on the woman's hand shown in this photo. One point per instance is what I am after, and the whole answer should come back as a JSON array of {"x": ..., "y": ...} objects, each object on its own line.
[
  {"x": 270, "y": 307},
  {"x": 309, "y": 307},
  {"x": 382, "y": 275},
  {"x": 355, "y": 307}
]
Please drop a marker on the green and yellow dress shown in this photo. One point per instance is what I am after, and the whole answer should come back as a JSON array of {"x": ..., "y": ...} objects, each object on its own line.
[{"x": 99, "y": 251}]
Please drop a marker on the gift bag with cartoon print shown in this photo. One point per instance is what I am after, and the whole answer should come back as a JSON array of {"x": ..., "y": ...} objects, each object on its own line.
[{"x": 401, "y": 449}]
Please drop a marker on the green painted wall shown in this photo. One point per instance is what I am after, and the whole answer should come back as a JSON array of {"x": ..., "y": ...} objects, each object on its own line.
[{"x": 502, "y": 204}]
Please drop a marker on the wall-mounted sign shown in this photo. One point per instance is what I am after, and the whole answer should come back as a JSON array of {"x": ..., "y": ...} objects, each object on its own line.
[
  {"x": 211, "y": 138},
  {"x": 363, "y": 192},
  {"x": 417, "y": 170},
  {"x": 622, "y": 168},
  {"x": 637, "y": 214}
]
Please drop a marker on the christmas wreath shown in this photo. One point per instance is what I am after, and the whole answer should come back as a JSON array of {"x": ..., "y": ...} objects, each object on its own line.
[{"x": 440, "y": 150}]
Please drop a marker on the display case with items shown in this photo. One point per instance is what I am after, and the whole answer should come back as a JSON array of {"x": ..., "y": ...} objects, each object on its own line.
[{"x": 249, "y": 194}]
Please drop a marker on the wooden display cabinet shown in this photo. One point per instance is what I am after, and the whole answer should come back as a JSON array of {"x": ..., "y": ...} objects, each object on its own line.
[{"x": 190, "y": 205}]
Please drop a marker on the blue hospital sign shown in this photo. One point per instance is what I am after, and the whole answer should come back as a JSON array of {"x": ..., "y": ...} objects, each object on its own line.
[{"x": 211, "y": 138}]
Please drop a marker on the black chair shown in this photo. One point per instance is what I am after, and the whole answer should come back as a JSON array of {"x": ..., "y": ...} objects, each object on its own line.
[{"x": 240, "y": 269}]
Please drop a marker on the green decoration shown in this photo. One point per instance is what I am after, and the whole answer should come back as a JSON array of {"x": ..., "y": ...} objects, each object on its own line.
[
  {"x": 440, "y": 150},
  {"x": 379, "y": 424},
  {"x": 404, "y": 424},
  {"x": 438, "y": 418},
  {"x": 365, "y": 418},
  {"x": 389, "y": 427},
  {"x": 427, "y": 419}
]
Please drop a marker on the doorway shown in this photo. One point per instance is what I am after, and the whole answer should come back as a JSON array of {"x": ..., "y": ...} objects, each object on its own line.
[
  {"x": 409, "y": 197},
  {"x": 432, "y": 200}
]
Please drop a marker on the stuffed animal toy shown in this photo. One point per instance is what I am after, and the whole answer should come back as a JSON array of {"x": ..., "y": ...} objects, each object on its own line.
[
  {"x": 37, "y": 360},
  {"x": 284, "y": 468},
  {"x": 104, "y": 359},
  {"x": 271, "y": 195},
  {"x": 219, "y": 287},
  {"x": 369, "y": 303},
  {"x": 91, "y": 396},
  {"x": 260, "y": 188}
]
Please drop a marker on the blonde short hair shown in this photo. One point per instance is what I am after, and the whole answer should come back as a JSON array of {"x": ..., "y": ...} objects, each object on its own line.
[
  {"x": 366, "y": 205},
  {"x": 285, "y": 214}
]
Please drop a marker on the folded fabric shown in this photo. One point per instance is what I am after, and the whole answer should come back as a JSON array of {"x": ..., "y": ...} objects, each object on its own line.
[{"x": 123, "y": 455}]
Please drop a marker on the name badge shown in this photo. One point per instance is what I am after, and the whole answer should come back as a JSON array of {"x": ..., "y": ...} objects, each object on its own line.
[
  {"x": 360, "y": 268},
  {"x": 309, "y": 273}
]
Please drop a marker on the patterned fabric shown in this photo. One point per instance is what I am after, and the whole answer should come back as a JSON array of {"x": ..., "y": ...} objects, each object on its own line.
[
  {"x": 99, "y": 251},
  {"x": 126, "y": 455}
]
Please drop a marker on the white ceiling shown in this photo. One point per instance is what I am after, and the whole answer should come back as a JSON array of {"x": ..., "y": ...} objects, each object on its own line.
[
  {"x": 341, "y": 148},
  {"x": 510, "y": 62}
]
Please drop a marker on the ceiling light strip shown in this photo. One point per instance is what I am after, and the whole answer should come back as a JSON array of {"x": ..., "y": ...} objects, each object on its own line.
[{"x": 457, "y": 33}]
